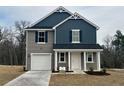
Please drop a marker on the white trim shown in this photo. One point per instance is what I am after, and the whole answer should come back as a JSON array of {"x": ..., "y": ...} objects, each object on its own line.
[
  {"x": 41, "y": 43},
  {"x": 69, "y": 61},
  {"x": 26, "y": 51},
  {"x": 50, "y": 14},
  {"x": 90, "y": 62},
  {"x": 75, "y": 42},
  {"x": 62, "y": 22},
  {"x": 87, "y": 57},
  {"x": 41, "y": 53},
  {"x": 54, "y": 36},
  {"x": 75, "y": 50},
  {"x": 41, "y": 31},
  {"x": 75, "y": 29},
  {"x": 98, "y": 61},
  {"x": 55, "y": 67},
  {"x": 87, "y": 21},
  {"x": 85, "y": 61},
  {"x": 64, "y": 57},
  {"x": 36, "y": 29},
  {"x": 75, "y": 19},
  {"x": 65, "y": 10}
]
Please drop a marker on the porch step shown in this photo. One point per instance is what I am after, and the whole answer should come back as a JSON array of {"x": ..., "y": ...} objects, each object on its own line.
[{"x": 79, "y": 72}]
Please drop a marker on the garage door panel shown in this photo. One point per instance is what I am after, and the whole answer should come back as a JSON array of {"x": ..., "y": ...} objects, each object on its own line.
[{"x": 41, "y": 62}]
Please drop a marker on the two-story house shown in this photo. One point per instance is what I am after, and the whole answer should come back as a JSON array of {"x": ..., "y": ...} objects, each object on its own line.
[{"x": 62, "y": 39}]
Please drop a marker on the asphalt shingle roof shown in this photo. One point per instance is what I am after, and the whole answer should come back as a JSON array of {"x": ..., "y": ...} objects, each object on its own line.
[{"x": 77, "y": 46}]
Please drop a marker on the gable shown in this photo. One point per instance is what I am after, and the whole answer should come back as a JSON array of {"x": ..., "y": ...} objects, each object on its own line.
[
  {"x": 76, "y": 16},
  {"x": 52, "y": 19},
  {"x": 77, "y": 24},
  {"x": 88, "y": 32}
]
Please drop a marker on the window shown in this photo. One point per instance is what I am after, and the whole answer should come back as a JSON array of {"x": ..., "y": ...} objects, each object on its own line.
[
  {"x": 75, "y": 36},
  {"x": 41, "y": 37},
  {"x": 90, "y": 57},
  {"x": 62, "y": 57}
]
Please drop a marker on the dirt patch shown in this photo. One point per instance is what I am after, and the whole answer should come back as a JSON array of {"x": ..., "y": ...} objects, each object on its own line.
[
  {"x": 114, "y": 79},
  {"x": 7, "y": 73}
]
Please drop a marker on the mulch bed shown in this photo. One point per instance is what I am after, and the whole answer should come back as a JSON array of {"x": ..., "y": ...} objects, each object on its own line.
[{"x": 97, "y": 73}]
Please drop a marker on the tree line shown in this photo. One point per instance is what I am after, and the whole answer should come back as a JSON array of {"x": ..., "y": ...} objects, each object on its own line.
[
  {"x": 12, "y": 47},
  {"x": 113, "y": 51},
  {"x": 12, "y": 44}
]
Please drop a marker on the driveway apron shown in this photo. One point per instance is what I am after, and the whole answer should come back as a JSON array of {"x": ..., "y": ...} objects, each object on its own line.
[{"x": 31, "y": 78}]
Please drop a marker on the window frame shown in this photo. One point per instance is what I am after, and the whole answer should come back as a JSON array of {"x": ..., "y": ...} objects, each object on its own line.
[
  {"x": 60, "y": 57},
  {"x": 91, "y": 53},
  {"x": 40, "y": 37},
  {"x": 76, "y": 30}
]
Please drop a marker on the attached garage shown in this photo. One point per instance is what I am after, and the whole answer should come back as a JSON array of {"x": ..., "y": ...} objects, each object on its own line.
[{"x": 40, "y": 61}]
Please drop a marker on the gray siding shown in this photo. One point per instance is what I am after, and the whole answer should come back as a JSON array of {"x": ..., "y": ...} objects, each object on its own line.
[
  {"x": 33, "y": 47},
  {"x": 88, "y": 35},
  {"x": 92, "y": 65},
  {"x": 89, "y": 65},
  {"x": 52, "y": 20},
  {"x": 63, "y": 64}
]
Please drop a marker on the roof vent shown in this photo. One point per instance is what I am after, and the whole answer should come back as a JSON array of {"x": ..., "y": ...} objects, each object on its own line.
[
  {"x": 60, "y": 9},
  {"x": 75, "y": 16}
]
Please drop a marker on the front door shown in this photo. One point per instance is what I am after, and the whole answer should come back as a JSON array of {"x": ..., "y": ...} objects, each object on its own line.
[{"x": 76, "y": 60}]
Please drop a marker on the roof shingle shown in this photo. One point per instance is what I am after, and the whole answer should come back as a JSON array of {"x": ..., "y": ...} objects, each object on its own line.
[{"x": 77, "y": 46}]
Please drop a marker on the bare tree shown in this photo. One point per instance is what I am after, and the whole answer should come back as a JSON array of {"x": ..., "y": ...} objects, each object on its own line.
[
  {"x": 4, "y": 33},
  {"x": 108, "y": 42},
  {"x": 107, "y": 54},
  {"x": 21, "y": 38},
  {"x": 7, "y": 46}
]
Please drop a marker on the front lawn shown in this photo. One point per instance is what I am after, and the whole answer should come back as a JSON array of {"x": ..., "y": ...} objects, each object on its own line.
[
  {"x": 115, "y": 78},
  {"x": 8, "y": 73}
]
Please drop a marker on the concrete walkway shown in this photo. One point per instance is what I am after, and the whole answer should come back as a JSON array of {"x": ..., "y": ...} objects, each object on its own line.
[{"x": 31, "y": 78}]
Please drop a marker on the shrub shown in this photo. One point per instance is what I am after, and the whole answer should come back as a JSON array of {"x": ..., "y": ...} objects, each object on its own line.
[
  {"x": 104, "y": 70},
  {"x": 24, "y": 68},
  {"x": 91, "y": 69}
]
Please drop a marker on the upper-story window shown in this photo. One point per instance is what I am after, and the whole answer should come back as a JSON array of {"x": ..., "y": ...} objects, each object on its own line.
[
  {"x": 75, "y": 36},
  {"x": 41, "y": 37}
]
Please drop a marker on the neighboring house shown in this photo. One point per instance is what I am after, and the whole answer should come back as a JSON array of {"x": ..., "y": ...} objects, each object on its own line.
[{"x": 62, "y": 40}]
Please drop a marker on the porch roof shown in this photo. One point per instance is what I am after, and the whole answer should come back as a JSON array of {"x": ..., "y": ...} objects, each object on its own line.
[{"x": 77, "y": 46}]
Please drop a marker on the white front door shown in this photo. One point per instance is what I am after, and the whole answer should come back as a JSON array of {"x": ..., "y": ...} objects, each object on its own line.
[{"x": 76, "y": 60}]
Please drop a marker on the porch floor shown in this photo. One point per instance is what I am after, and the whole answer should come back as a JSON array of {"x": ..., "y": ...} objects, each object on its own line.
[{"x": 74, "y": 72}]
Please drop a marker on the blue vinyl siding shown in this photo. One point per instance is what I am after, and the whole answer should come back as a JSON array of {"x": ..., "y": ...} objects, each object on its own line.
[
  {"x": 52, "y": 20},
  {"x": 88, "y": 32}
]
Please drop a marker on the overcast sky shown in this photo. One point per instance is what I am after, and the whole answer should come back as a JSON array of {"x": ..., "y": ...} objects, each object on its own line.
[{"x": 109, "y": 19}]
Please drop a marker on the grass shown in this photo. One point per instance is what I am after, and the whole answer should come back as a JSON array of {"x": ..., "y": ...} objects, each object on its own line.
[
  {"x": 115, "y": 78},
  {"x": 7, "y": 73}
]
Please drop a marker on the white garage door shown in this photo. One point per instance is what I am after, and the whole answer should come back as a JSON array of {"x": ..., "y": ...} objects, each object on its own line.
[{"x": 40, "y": 61}]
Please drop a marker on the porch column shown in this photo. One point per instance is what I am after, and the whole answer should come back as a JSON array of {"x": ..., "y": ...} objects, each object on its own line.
[
  {"x": 69, "y": 65},
  {"x": 98, "y": 61},
  {"x": 84, "y": 61},
  {"x": 55, "y": 61}
]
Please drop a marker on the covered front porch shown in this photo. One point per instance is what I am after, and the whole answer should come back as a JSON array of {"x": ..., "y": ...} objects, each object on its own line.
[{"x": 77, "y": 59}]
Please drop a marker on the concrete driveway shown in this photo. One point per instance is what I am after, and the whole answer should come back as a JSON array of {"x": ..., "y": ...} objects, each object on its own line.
[{"x": 31, "y": 78}]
